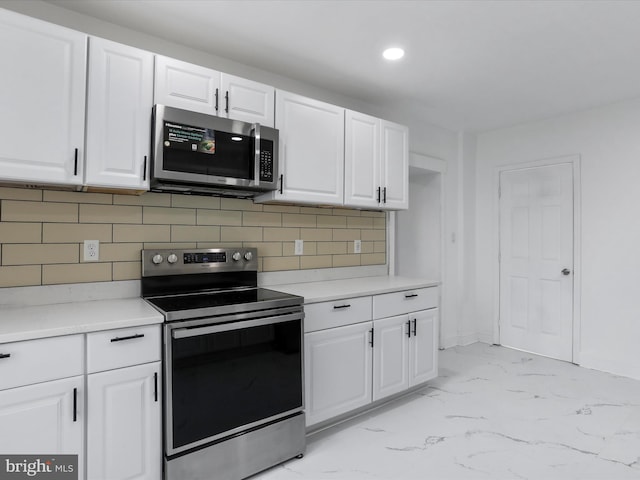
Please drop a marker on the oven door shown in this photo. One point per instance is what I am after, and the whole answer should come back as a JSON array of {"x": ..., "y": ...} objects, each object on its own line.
[{"x": 223, "y": 379}]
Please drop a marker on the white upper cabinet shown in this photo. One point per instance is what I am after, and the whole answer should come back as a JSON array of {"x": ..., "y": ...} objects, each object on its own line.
[
  {"x": 119, "y": 103},
  {"x": 199, "y": 89},
  {"x": 395, "y": 166},
  {"x": 362, "y": 187},
  {"x": 311, "y": 151},
  {"x": 246, "y": 100},
  {"x": 185, "y": 85},
  {"x": 42, "y": 94},
  {"x": 376, "y": 163}
]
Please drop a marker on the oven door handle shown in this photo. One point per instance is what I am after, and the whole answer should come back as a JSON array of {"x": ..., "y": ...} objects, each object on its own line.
[{"x": 226, "y": 327}]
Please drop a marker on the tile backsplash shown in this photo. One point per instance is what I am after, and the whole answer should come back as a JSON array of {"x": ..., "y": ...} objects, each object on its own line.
[{"x": 42, "y": 233}]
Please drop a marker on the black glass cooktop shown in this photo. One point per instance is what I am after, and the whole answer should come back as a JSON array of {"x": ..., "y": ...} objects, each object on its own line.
[{"x": 221, "y": 302}]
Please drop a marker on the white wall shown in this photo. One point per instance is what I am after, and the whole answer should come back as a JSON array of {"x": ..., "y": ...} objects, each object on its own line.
[{"x": 607, "y": 140}]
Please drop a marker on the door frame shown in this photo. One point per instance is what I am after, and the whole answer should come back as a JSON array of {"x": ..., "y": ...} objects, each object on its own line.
[{"x": 575, "y": 162}]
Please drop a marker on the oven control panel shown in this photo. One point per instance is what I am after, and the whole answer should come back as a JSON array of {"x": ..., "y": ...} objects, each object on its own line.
[
  {"x": 184, "y": 261},
  {"x": 214, "y": 257}
]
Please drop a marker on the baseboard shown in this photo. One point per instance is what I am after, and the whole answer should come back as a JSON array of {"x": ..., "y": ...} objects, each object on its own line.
[{"x": 623, "y": 369}]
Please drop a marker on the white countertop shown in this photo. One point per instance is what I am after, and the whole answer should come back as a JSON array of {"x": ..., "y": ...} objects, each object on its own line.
[
  {"x": 330, "y": 290},
  {"x": 29, "y": 322}
]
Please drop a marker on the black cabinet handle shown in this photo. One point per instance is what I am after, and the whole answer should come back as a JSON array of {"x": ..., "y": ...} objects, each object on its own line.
[
  {"x": 337, "y": 307},
  {"x": 384, "y": 195},
  {"x": 5, "y": 355},
  {"x": 216, "y": 99},
  {"x": 371, "y": 338},
  {"x": 75, "y": 163},
  {"x": 75, "y": 404},
  {"x": 409, "y": 328},
  {"x": 144, "y": 169},
  {"x": 411, "y": 295},
  {"x": 226, "y": 99},
  {"x": 131, "y": 337},
  {"x": 155, "y": 386},
  {"x": 415, "y": 327},
  {"x": 281, "y": 182},
  {"x": 378, "y": 195}
]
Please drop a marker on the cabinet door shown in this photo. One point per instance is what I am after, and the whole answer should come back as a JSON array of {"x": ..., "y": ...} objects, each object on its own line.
[
  {"x": 185, "y": 85},
  {"x": 311, "y": 150},
  {"x": 423, "y": 347},
  {"x": 362, "y": 160},
  {"x": 337, "y": 371},
  {"x": 390, "y": 353},
  {"x": 119, "y": 107},
  {"x": 40, "y": 419},
  {"x": 242, "y": 99},
  {"x": 395, "y": 166},
  {"x": 123, "y": 425},
  {"x": 42, "y": 94}
]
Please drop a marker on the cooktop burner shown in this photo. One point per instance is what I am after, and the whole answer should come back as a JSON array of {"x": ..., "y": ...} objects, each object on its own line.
[{"x": 210, "y": 300}]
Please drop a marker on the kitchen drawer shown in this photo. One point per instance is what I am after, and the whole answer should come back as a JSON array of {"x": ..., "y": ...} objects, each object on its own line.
[
  {"x": 111, "y": 349},
  {"x": 35, "y": 361},
  {"x": 319, "y": 316},
  {"x": 398, "y": 303}
]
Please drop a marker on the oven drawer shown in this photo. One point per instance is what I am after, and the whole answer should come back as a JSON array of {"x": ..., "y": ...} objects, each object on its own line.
[
  {"x": 123, "y": 347},
  {"x": 398, "y": 303},
  {"x": 35, "y": 361},
  {"x": 319, "y": 316}
]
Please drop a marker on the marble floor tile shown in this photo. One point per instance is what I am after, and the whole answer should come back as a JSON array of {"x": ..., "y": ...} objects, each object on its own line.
[{"x": 493, "y": 413}]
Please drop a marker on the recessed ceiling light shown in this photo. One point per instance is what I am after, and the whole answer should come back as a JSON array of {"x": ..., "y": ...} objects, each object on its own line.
[{"x": 394, "y": 53}]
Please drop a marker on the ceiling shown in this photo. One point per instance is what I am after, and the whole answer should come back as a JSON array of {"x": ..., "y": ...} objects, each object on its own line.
[{"x": 470, "y": 65}]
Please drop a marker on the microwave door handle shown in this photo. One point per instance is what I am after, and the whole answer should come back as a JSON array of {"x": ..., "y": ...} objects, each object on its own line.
[{"x": 256, "y": 160}]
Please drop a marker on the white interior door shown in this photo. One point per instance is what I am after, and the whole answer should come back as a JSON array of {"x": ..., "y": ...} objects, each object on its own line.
[{"x": 536, "y": 260}]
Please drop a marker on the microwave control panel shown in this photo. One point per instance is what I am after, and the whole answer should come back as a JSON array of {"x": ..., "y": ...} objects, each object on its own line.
[{"x": 266, "y": 160}]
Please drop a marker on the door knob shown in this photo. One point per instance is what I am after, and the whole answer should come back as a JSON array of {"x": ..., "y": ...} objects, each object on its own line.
[{"x": 565, "y": 271}]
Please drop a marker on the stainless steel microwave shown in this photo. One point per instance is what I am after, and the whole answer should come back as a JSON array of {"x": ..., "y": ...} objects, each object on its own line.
[{"x": 203, "y": 154}]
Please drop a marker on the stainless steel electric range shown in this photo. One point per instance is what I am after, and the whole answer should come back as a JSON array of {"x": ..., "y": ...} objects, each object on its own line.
[{"x": 233, "y": 364}]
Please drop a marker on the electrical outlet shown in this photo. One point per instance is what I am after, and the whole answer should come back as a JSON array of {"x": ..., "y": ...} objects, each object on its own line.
[
  {"x": 357, "y": 246},
  {"x": 91, "y": 250},
  {"x": 299, "y": 248}
]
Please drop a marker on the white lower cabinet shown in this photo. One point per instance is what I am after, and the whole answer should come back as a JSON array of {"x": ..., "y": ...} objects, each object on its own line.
[
  {"x": 43, "y": 419},
  {"x": 404, "y": 352},
  {"x": 337, "y": 371},
  {"x": 390, "y": 356},
  {"x": 124, "y": 439},
  {"x": 52, "y": 401},
  {"x": 423, "y": 346},
  {"x": 351, "y": 362},
  {"x": 123, "y": 424}
]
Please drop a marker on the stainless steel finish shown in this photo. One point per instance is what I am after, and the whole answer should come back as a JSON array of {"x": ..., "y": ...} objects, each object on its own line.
[
  {"x": 256, "y": 151},
  {"x": 150, "y": 268},
  {"x": 166, "y": 180},
  {"x": 157, "y": 259},
  {"x": 215, "y": 328},
  {"x": 168, "y": 328},
  {"x": 243, "y": 455},
  {"x": 236, "y": 256},
  {"x": 248, "y": 256},
  {"x": 172, "y": 258},
  {"x": 222, "y": 312}
]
